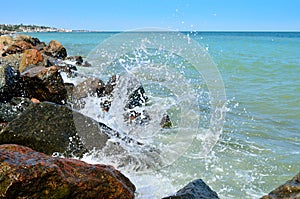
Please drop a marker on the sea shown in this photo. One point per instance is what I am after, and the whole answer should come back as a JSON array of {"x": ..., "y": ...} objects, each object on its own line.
[{"x": 233, "y": 99}]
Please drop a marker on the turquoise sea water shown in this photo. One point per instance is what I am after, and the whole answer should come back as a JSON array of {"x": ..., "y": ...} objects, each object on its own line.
[{"x": 259, "y": 147}]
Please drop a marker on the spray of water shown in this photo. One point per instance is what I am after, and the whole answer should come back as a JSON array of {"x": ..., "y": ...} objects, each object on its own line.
[{"x": 180, "y": 80}]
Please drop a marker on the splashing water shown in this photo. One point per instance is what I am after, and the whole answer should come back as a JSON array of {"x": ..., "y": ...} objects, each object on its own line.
[{"x": 180, "y": 80}]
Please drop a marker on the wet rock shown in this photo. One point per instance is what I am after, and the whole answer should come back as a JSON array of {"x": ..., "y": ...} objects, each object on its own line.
[
  {"x": 86, "y": 64},
  {"x": 17, "y": 47},
  {"x": 289, "y": 190},
  {"x": 89, "y": 87},
  {"x": 25, "y": 173},
  {"x": 51, "y": 128},
  {"x": 45, "y": 84},
  {"x": 55, "y": 49},
  {"x": 10, "y": 110},
  {"x": 195, "y": 190},
  {"x": 30, "y": 57},
  {"x": 10, "y": 84},
  {"x": 166, "y": 121},
  {"x": 77, "y": 59}
]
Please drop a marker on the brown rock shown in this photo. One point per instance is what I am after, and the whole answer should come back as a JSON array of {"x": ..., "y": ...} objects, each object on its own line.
[
  {"x": 45, "y": 84},
  {"x": 289, "y": 190},
  {"x": 25, "y": 173},
  {"x": 30, "y": 57},
  {"x": 17, "y": 47},
  {"x": 32, "y": 40},
  {"x": 5, "y": 41},
  {"x": 55, "y": 49}
]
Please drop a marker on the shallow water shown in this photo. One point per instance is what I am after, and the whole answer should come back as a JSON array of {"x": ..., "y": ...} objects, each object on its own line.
[{"x": 259, "y": 145}]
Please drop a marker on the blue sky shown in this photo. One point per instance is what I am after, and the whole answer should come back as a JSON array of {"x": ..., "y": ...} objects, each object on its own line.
[{"x": 172, "y": 14}]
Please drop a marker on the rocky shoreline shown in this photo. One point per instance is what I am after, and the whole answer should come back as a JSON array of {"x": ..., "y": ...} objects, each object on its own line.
[{"x": 41, "y": 130}]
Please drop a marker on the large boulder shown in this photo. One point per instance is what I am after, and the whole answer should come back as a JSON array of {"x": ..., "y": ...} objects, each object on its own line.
[
  {"x": 289, "y": 190},
  {"x": 25, "y": 173},
  {"x": 45, "y": 84},
  {"x": 52, "y": 128},
  {"x": 195, "y": 190},
  {"x": 55, "y": 49}
]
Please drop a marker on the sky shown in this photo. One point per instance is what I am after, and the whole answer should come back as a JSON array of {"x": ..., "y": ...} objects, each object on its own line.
[{"x": 120, "y": 15}]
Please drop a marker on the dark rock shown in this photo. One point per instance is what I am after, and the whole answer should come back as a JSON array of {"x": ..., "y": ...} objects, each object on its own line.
[
  {"x": 195, "y": 190},
  {"x": 77, "y": 59},
  {"x": 30, "y": 57},
  {"x": 45, "y": 84},
  {"x": 25, "y": 173},
  {"x": 17, "y": 47},
  {"x": 10, "y": 84},
  {"x": 9, "y": 111},
  {"x": 166, "y": 121},
  {"x": 51, "y": 128},
  {"x": 289, "y": 190},
  {"x": 86, "y": 64},
  {"x": 89, "y": 87},
  {"x": 55, "y": 49}
]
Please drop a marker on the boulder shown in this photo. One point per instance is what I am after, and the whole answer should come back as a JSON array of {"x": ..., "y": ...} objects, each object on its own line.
[
  {"x": 52, "y": 128},
  {"x": 55, "y": 49},
  {"x": 30, "y": 57},
  {"x": 195, "y": 190},
  {"x": 45, "y": 84},
  {"x": 25, "y": 173},
  {"x": 17, "y": 47},
  {"x": 289, "y": 190}
]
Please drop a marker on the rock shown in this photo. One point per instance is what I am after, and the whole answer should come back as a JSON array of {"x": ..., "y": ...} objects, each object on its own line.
[
  {"x": 166, "y": 121},
  {"x": 5, "y": 41},
  {"x": 55, "y": 49},
  {"x": 195, "y": 190},
  {"x": 30, "y": 57},
  {"x": 21, "y": 37},
  {"x": 12, "y": 60},
  {"x": 9, "y": 111},
  {"x": 51, "y": 128},
  {"x": 25, "y": 173},
  {"x": 10, "y": 84},
  {"x": 17, "y": 47},
  {"x": 86, "y": 64},
  {"x": 89, "y": 87},
  {"x": 77, "y": 59},
  {"x": 45, "y": 84},
  {"x": 289, "y": 190}
]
